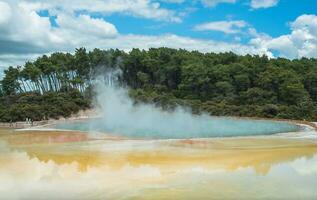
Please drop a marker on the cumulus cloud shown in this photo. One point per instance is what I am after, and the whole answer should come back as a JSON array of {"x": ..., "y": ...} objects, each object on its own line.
[
  {"x": 22, "y": 30},
  {"x": 127, "y": 42},
  {"x": 82, "y": 29},
  {"x": 5, "y": 12},
  {"x": 25, "y": 34},
  {"x": 255, "y": 4},
  {"x": 138, "y": 8},
  {"x": 228, "y": 27},
  {"x": 13, "y": 59},
  {"x": 207, "y": 3},
  {"x": 301, "y": 42}
]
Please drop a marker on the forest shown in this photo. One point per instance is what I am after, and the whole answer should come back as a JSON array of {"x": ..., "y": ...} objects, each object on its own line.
[{"x": 221, "y": 84}]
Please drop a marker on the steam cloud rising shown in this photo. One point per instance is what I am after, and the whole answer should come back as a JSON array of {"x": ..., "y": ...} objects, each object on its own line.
[{"x": 120, "y": 115}]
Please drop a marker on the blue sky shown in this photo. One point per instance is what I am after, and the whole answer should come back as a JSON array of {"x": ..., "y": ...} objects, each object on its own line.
[
  {"x": 273, "y": 21},
  {"x": 276, "y": 28}
]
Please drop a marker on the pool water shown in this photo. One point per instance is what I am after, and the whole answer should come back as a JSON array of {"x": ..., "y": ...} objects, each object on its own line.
[
  {"x": 197, "y": 127},
  {"x": 74, "y": 165}
]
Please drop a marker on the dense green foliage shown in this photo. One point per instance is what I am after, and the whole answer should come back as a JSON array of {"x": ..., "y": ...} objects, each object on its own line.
[
  {"x": 36, "y": 106},
  {"x": 220, "y": 84}
]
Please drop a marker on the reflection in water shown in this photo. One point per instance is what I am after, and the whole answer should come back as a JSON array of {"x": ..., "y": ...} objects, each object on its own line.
[{"x": 70, "y": 165}]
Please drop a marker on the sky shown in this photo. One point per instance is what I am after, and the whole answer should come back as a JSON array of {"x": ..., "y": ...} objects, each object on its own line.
[{"x": 276, "y": 28}]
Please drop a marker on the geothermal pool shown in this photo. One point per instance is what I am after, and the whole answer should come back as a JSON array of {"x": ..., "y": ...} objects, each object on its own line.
[
  {"x": 191, "y": 127},
  {"x": 120, "y": 115}
]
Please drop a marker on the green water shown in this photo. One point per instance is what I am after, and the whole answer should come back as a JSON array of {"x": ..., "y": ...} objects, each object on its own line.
[{"x": 194, "y": 128}]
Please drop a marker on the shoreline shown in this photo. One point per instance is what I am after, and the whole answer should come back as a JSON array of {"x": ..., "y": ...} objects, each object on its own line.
[
  {"x": 302, "y": 123},
  {"x": 81, "y": 115}
]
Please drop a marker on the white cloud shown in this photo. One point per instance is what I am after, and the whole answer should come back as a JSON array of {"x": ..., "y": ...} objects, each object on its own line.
[
  {"x": 86, "y": 24},
  {"x": 127, "y": 42},
  {"x": 212, "y": 3},
  {"x": 263, "y": 3},
  {"x": 5, "y": 11},
  {"x": 229, "y": 27},
  {"x": 82, "y": 26},
  {"x": 138, "y": 8},
  {"x": 255, "y": 4},
  {"x": 22, "y": 29},
  {"x": 7, "y": 60},
  {"x": 207, "y": 3},
  {"x": 301, "y": 42},
  {"x": 24, "y": 34}
]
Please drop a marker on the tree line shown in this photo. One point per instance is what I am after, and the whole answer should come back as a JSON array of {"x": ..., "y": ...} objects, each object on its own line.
[{"x": 220, "y": 84}]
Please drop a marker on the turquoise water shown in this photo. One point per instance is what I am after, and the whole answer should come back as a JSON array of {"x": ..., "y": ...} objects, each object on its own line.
[{"x": 195, "y": 128}]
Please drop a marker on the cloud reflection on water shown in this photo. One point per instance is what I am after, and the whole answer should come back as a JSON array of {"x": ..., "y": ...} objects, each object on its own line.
[{"x": 103, "y": 169}]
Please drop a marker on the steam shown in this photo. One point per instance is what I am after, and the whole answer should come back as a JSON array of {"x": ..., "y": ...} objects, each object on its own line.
[{"x": 120, "y": 115}]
